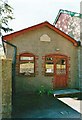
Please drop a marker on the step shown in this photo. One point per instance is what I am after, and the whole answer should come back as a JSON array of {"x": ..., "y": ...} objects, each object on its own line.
[{"x": 65, "y": 91}]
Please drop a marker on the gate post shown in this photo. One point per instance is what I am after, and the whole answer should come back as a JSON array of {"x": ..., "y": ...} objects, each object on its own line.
[
  {"x": 5, "y": 88},
  {"x": 81, "y": 56},
  {"x": 0, "y": 89}
]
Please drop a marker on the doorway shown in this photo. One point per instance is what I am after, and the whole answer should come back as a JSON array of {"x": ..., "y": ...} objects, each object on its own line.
[{"x": 60, "y": 71}]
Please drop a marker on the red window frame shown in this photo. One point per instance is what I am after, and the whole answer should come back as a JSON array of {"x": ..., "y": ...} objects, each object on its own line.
[
  {"x": 26, "y": 61},
  {"x": 48, "y": 61}
]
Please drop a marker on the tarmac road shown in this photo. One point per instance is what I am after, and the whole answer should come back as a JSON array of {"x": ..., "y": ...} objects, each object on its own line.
[{"x": 41, "y": 106}]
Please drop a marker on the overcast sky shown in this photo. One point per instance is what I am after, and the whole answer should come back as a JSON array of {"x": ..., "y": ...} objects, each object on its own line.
[{"x": 30, "y": 12}]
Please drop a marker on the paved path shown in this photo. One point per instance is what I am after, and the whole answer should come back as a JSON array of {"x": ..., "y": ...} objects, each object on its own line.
[
  {"x": 73, "y": 103},
  {"x": 36, "y": 106}
]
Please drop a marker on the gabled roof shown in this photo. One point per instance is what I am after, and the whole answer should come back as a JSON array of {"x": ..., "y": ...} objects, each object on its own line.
[
  {"x": 72, "y": 14},
  {"x": 69, "y": 23},
  {"x": 15, "y": 34}
]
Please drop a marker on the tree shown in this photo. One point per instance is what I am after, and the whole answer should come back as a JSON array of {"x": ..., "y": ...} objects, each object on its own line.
[{"x": 6, "y": 14}]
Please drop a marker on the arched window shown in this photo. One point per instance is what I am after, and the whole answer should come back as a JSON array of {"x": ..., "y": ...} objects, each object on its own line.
[{"x": 27, "y": 64}]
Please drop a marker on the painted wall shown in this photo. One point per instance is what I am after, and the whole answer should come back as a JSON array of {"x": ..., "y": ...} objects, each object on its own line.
[{"x": 30, "y": 42}]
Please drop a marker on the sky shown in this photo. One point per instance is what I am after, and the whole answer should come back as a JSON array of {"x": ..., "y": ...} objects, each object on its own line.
[{"x": 30, "y": 12}]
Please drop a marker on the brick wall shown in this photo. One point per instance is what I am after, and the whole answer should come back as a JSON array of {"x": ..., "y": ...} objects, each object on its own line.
[{"x": 5, "y": 88}]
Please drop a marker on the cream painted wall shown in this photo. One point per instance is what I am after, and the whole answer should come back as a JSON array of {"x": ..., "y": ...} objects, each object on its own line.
[{"x": 30, "y": 42}]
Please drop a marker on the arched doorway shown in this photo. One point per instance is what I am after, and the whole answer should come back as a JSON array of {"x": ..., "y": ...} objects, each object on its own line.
[{"x": 57, "y": 65}]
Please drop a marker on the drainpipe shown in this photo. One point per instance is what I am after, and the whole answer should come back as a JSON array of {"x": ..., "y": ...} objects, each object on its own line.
[
  {"x": 79, "y": 62},
  {"x": 13, "y": 64}
]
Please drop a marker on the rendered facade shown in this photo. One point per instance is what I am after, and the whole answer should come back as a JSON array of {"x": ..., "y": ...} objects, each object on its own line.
[{"x": 46, "y": 57}]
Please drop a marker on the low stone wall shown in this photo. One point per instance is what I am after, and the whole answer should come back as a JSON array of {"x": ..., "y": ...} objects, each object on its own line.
[{"x": 5, "y": 88}]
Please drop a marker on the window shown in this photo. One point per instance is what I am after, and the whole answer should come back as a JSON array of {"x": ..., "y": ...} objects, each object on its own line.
[
  {"x": 45, "y": 38},
  {"x": 27, "y": 64},
  {"x": 49, "y": 65},
  {"x": 26, "y": 58},
  {"x": 61, "y": 66}
]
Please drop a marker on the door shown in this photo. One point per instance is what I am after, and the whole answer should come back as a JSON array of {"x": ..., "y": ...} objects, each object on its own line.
[{"x": 60, "y": 72}]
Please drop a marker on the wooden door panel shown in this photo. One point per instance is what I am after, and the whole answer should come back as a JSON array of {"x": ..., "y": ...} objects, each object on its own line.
[
  {"x": 60, "y": 82},
  {"x": 60, "y": 72}
]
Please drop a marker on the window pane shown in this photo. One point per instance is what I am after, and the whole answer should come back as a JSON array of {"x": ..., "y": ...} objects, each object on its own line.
[
  {"x": 49, "y": 67},
  {"x": 26, "y": 58},
  {"x": 49, "y": 58},
  {"x": 27, "y": 68},
  {"x": 61, "y": 67}
]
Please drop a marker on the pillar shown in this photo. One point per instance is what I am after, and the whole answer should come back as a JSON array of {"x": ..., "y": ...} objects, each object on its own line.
[{"x": 5, "y": 88}]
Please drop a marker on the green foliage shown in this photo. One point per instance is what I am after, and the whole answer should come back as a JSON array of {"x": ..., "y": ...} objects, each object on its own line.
[
  {"x": 6, "y": 14},
  {"x": 43, "y": 91},
  {"x": 49, "y": 92}
]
